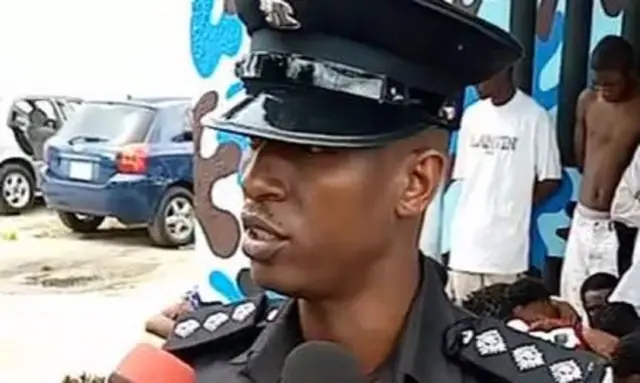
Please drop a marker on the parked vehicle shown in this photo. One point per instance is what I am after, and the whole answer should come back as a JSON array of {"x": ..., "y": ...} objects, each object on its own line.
[
  {"x": 131, "y": 160},
  {"x": 26, "y": 123}
]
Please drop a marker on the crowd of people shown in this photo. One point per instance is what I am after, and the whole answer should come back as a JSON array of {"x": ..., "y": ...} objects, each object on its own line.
[{"x": 508, "y": 161}]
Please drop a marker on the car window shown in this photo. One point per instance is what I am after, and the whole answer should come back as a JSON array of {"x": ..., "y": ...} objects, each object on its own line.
[
  {"x": 174, "y": 122},
  {"x": 105, "y": 122}
]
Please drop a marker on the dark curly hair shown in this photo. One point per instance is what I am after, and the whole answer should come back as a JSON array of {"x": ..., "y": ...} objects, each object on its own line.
[
  {"x": 84, "y": 378},
  {"x": 488, "y": 301},
  {"x": 617, "y": 318},
  {"x": 525, "y": 291},
  {"x": 626, "y": 356}
]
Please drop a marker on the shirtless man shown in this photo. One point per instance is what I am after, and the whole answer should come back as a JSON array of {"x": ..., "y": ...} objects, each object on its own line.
[{"x": 607, "y": 133}]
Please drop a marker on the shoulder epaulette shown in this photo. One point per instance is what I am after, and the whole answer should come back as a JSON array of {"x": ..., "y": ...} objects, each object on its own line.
[
  {"x": 214, "y": 323},
  {"x": 490, "y": 346}
]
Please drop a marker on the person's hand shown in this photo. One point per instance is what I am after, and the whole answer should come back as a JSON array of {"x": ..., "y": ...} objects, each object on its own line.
[
  {"x": 600, "y": 342},
  {"x": 175, "y": 310},
  {"x": 567, "y": 312},
  {"x": 162, "y": 324}
]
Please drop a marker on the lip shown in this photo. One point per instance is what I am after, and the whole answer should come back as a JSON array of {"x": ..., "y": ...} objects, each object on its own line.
[{"x": 261, "y": 250}]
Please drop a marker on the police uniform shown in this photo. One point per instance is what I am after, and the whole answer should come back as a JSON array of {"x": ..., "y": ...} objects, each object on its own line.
[{"x": 360, "y": 74}]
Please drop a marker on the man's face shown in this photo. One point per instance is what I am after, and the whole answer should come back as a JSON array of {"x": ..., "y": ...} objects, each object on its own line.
[
  {"x": 313, "y": 217},
  {"x": 612, "y": 86},
  {"x": 536, "y": 311},
  {"x": 594, "y": 300},
  {"x": 485, "y": 89}
]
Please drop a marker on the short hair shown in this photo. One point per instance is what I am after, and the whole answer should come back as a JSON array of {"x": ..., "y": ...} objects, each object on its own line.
[
  {"x": 525, "y": 291},
  {"x": 489, "y": 301},
  {"x": 624, "y": 360},
  {"x": 84, "y": 378},
  {"x": 613, "y": 53},
  {"x": 617, "y": 318},
  {"x": 598, "y": 281}
]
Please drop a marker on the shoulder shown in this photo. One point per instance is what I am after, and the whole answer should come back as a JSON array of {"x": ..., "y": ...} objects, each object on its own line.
[
  {"x": 586, "y": 98},
  {"x": 220, "y": 327},
  {"x": 531, "y": 106},
  {"x": 492, "y": 349},
  {"x": 472, "y": 110}
]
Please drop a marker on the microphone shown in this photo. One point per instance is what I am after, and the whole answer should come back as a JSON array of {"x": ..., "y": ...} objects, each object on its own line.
[
  {"x": 147, "y": 364},
  {"x": 321, "y": 362}
]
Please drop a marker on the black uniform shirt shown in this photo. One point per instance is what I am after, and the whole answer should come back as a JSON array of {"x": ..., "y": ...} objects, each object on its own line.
[{"x": 248, "y": 341}]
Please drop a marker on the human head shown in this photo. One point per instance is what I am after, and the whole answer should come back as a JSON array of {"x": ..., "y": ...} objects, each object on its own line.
[
  {"x": 488, "y": 301},
  {"x": 529, "y": 300},
  {"x": 625, "y": 359},
  {"x": 500, "y": 84},
  {"x": 616, "y": 318},
  {"x": 332, "y": 204},
  {"x": 345, "y": 151},
  {"x": 595, "y": 291},
  {"x": 612, "y": 63}
]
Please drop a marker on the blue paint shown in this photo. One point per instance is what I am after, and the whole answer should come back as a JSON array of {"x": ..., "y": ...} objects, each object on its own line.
[
  {"x": 543, "y": 61},
  {"x": 234, "y": 89},
  {"x": 210, "y": 41},
  {"x": 225, "y": 286}
]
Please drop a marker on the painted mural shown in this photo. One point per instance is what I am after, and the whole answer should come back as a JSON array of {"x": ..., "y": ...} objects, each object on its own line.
[{"x": 218, "y": 39}]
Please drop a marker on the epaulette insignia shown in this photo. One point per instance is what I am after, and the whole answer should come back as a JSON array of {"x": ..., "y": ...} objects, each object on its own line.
[
  {"x": 215, "y": 322},
  {"x": 491, "y": 346}
]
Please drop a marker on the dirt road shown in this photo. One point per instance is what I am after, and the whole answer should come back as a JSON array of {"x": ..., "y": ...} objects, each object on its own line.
[{"x": 70, "y": 303}]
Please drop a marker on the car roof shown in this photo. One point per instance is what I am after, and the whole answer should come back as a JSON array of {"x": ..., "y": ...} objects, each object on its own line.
[
  {"x": 14, "y": 97},
  {"x": 159, "y": 104}
]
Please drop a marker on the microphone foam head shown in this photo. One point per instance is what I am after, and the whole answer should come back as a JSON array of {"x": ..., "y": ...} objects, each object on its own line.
[
  {"x": 147, "y": 364},
  {"x": 321, "y": 362}
]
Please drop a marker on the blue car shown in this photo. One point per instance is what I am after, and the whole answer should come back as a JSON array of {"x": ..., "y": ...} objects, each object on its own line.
[{"x": 131, "y": 160}]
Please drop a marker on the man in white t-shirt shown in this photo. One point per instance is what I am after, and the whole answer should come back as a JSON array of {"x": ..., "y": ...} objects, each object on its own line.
[
  {"x": 507, "y": 160},
  {"x": 625, "y": 211}
]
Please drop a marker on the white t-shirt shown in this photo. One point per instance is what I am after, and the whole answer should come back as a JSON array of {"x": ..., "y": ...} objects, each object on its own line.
[{"x": 502, "y": 151}]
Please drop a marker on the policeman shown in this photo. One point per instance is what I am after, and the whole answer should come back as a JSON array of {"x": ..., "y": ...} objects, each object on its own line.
[{"x": 341, "y": 107}]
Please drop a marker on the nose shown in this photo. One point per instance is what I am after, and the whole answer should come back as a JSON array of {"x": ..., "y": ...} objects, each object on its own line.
[{"x": 261, "y": 179}]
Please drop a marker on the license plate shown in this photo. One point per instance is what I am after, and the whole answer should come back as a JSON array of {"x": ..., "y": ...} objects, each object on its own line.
[{"x": 81, "y": 171}]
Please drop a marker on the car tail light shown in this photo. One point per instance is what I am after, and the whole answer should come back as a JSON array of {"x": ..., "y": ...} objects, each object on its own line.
[{"x": 132, "y": 159}]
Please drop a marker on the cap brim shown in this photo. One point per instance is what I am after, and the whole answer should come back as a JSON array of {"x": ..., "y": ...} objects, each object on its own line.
[{"x": 320, "y": 118}]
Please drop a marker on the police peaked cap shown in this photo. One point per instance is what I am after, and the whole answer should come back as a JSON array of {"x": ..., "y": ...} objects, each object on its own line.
[{"x": 357, "y": 73}]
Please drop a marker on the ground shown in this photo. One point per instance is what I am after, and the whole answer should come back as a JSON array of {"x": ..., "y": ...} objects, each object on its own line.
[{"x": 72, "y": 303}]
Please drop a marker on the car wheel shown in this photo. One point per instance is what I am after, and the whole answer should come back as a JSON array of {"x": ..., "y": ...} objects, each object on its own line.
[
  {"x": 16, "y": 189},
  {"x": 173, "y": 224},
  {"x": 79, "y": 223}
]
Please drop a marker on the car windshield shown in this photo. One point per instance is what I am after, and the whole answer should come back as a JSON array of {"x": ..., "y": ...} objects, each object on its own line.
[{"x": 104, "y": 122}]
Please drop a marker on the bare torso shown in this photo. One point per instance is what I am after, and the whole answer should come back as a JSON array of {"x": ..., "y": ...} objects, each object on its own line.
[{"x": 612, "y": 133}]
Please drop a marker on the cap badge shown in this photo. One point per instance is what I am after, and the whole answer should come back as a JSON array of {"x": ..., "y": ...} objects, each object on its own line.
[{"x": 279, "y": 14}]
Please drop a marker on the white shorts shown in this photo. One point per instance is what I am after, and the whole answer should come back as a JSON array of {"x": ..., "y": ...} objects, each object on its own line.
[{"x": 591, "y": 248}]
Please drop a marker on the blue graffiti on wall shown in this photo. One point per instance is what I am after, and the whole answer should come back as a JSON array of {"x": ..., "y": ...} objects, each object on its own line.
[{"x": 210, "y": 42}]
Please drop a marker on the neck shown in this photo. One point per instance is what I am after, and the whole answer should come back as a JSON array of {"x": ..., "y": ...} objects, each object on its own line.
[
  {"x": 503, "y": 96},
  {"x": 368, "y": 322}
]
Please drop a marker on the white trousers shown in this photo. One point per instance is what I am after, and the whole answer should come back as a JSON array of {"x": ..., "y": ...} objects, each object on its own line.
[{"x": 591, "y": 248}]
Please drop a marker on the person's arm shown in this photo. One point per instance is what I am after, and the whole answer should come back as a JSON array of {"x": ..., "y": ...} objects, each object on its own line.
[
  {"x": 162, "y": 323},
  {"x": 459, "y": 158},
  {"x": 579, "y": 133},
  {"x": 625, "y": 207},
  {"x": 547, "y": 157}
]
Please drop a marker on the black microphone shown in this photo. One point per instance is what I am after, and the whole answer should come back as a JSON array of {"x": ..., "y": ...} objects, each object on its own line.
[{"x": 321, "y": 362}]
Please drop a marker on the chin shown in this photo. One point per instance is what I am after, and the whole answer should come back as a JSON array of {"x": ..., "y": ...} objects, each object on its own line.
[{"x": 271, "y": 277}]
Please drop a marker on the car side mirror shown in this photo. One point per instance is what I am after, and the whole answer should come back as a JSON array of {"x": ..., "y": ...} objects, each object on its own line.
[
  {"x": 184, "y": 137},
  {"x": 50, "y": 123}
]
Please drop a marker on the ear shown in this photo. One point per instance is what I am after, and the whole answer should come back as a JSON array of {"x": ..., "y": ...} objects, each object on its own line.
[{"x": 425, "y": 173}]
